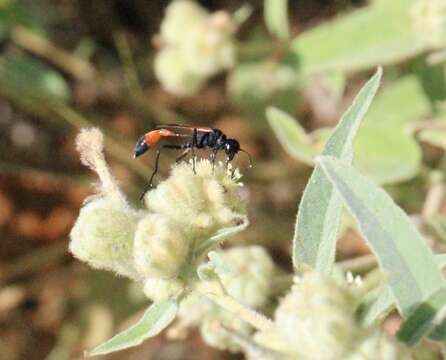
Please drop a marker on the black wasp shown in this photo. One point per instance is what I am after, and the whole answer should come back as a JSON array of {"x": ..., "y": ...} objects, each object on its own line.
[{"x": 196, "y": 138}]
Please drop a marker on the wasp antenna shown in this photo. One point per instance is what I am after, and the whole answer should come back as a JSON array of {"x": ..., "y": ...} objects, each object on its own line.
[{"x": 249, "y": 156}]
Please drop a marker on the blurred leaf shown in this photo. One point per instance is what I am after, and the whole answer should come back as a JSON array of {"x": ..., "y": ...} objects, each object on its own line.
[
  {"x": 12, "y": 13},
  {"x": 319, "y": 212},
  {"x": 381, "y": 300},
  {"x": 387, "y": 154},
  {"x": 28, "y": 76},
  {"x": 399, "y": 104},
  {"x": 255, "y": 86},
  {"x": 436, "y": 137},
  {"x": 156, "y": 318},
  {"x": 291, "y": 135},
  {"x": 377, "y": 305},
  {"x": 276, "y": 17},
  {"x": 428, "y": 317},
  {"x": 402, "y": 253},
  {"x": 360, "y": 40}
]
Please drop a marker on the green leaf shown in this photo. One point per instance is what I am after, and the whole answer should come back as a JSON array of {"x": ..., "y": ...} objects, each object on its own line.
[
  {"x": 428, "y": 317},
  {"x": 319, "y": 212},
  {"x": 30, "y": 77},
  {"x": 386, "y": 154},
  {"x": 155, "y": 319},
  {"x": 399, "y": 104},
  {"x": 276, "y": 17},
  {"x": 219, "y": 236},
  {"x": 401, "y": 251},
  {"x": 291, "y": 135},
  {"x": 383, "y": 301},
  {"x": 256, "y": 85},
  {"x": 360, "y": 40}
]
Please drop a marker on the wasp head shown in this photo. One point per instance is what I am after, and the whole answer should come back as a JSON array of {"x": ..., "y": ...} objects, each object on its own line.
[{"x": 231, "y": 148}]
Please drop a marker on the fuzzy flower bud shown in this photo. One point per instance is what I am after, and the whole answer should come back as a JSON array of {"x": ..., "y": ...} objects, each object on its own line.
[
  {"x": 429, "y": 21},
  {"x": 160, "y": 248},
  {"x": 201, "y": 203},
  {"x": 377, "y": 345},
  {"x": 103, "y": 233},
  {"x": 209, "y": 48},
  {"x": 314, "y": 321},
  {"x": 162, "y": 289},
  {"x": 248, "y": 279},
  {"x": 171, "y": 70},
  {"x": 180, "y": 15},
  {"x": 250, "y": 275},
  {"x": 195, "y": 46}
]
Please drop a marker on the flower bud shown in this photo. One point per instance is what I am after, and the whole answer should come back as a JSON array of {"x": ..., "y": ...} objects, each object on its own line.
[
  {"x": 181, "y": 15},
  {"x": 171, "y": 70},
  {"x": 209, "y": 47},
  {"x": 429, "y": 21},
  {"x": 200, "y": 204},
  {"x": 103, "y": 236},
  {"x": 250, "y": 276},
  {"x": 377, "y": 345},
  {"x": 103, "y": 233},
  {"x": 161, "y": 247},
  {"x": 248, "y": 279},
  {"x": 314, "y": 321},
  {"x": 159, "y": 290},
  {"x": 214, "y": 333}
]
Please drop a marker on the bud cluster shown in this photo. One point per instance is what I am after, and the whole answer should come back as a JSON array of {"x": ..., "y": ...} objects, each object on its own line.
[
  {"x": 156, "y": 246},
  {"x": 247, "y": 277},
  {"x": 315, "y": 320},
  {"x": 195, "y": 46}
]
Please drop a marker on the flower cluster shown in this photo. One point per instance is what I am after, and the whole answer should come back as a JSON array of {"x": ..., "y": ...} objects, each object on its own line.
[
  {"x": 247, "y": 276},
  {"x": 315, "y": 320},
  {"x": 195, "y": 46},
  {"x": 161, "y": 245},
  {"x": 429, "y": 19}
]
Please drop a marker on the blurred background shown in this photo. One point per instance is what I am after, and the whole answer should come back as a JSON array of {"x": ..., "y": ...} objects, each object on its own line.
[{"x": 68, "y": 64}]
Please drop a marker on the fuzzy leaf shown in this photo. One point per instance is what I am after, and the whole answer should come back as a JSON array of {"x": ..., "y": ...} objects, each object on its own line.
[
  {"x": 428, "y": 317},
  {"x": 319, "y": 212},
  {"x": 291, "y": 135},
  {"x": 384, "y": 301},
  {"x": 343, "y": 45},
  {"x": 155, "y": 319},
  {"x": 401, "y": 251}
]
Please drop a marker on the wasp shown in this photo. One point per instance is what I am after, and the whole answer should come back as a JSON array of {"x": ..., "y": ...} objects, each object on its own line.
[{"x": 193, "y": 138}]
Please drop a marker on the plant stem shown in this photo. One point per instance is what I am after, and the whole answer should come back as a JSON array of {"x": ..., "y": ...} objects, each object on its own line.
[
  {"x": 227, "y": 302},
  {"x": 75, "y": 66}
]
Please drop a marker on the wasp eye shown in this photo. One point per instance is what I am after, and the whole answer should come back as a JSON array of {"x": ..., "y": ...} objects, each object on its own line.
[{"x": 141, "y": 147}]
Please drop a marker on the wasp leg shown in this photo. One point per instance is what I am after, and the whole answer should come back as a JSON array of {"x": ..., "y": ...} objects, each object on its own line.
[
  {"x": 213, "y": 158},
  {"x": 155, "y": 168},
  {"x": 193, "y": 146},
  {"x": 182, "y": 156}
]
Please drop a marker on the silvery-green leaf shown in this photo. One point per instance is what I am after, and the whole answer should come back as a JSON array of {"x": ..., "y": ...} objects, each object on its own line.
[
  {"x": 318, "y": 216},
  {"x": 359, "y": 40},
  {"x": 155, "y": 319},
  {"x": 402, "y": 253},
  {"x": 291, "y": 135},
  {"x": 384, "y": 301},
  {"x": 427, "y": 318}
]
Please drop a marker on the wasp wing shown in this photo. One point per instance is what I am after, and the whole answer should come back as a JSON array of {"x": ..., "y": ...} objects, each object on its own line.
[{"x": 185, "y": 127}]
